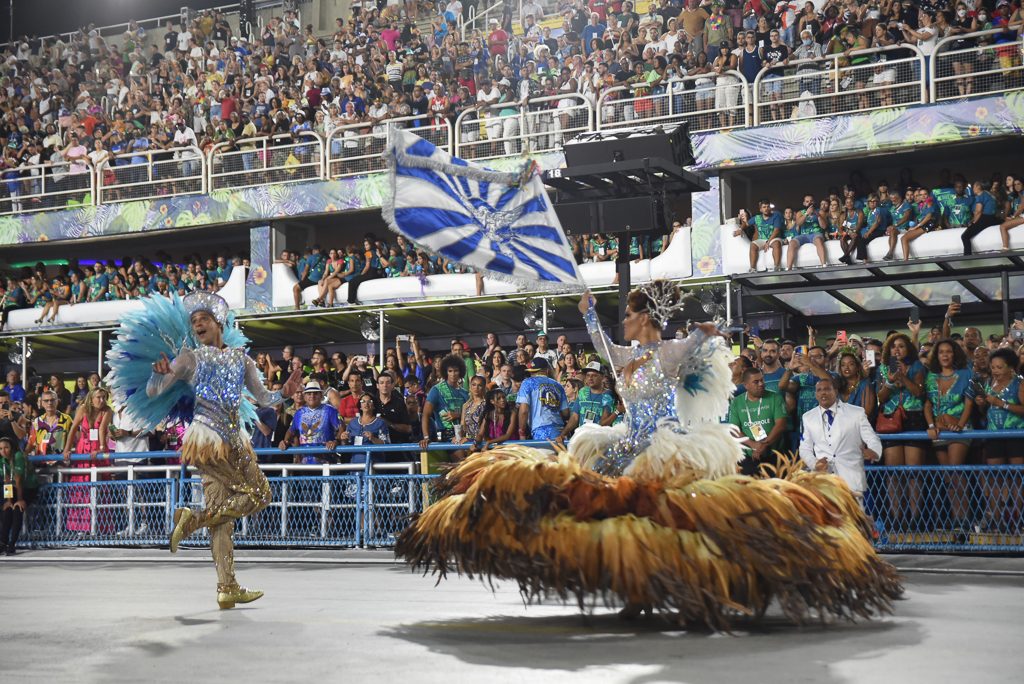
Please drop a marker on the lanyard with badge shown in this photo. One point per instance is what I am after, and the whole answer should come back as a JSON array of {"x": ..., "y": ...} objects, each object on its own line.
[
  {"x": 756, "y": 429},
  {"x": 8, "y": 472}
]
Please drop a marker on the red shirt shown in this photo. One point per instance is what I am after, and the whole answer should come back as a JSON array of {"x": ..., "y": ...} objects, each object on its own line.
[
  {"x": 227, "y": 106},
  {"x": 348, "y": 407},
  {"x": 497, "y": 42}
]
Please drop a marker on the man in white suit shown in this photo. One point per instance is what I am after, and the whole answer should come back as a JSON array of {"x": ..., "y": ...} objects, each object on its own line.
[{"x": 837, "y": 438}]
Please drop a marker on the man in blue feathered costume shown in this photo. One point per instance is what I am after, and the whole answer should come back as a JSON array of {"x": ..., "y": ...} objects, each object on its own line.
[{"x": 185, "y": 358}]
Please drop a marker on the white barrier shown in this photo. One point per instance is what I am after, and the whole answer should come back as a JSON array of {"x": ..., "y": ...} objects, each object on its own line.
[
  {"x": 254, "y": 162},
  {"x": 355, "y": 149},
  {"x": 94, "y": 313},
  {"x": 707, "y": 102},
  {"x": 41, "y": 187},
  {"x": 544, "y": 124},
  {"x": 181, "y": 171},
  {"x": 815, "y": 88}
]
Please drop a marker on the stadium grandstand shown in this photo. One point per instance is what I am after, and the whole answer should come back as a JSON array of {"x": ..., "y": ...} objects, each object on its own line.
[{"x": 864, "y": 163}]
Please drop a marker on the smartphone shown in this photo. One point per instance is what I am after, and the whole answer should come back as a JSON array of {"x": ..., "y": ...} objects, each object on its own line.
[
  {"x": 755, "y": 331},
  {"x": 893, "y": 366},
  {"x": 841, "y": 336},
  {"x": 801, "y": 350},
  {"x": 402, "y": 338},
  {"x": 1018, "y": 315},
  {"x": 869, "y": 356},
  {"x": 915, "y": 314},
  {"x": 955, "y": 299}
]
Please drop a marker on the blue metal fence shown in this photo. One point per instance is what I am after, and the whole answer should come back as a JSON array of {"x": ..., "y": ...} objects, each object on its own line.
[{"x": 367, "y": 503}]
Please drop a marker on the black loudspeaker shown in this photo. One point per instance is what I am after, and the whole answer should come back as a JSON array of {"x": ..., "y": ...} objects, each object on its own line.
[
  {"x": 636, "y": 214},
  {"x": 668, "y": 141}
]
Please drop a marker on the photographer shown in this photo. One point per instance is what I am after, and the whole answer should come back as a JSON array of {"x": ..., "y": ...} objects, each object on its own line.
[{"x": 13, "y": 423}]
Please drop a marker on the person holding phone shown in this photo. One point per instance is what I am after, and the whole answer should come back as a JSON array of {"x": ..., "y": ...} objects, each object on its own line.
[
  {"x": 854, "y": 387},
  {"x": 1002, "y": 402},
  {"x": 947, "y": 409},
  {"x": 901, "y": 390}
]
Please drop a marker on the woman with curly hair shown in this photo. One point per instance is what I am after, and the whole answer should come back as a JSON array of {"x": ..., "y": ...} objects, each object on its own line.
[{"x": 947, "y": 408}]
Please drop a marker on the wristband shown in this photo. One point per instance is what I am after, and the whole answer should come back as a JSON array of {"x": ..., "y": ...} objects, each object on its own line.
[{"x": 931, "y": 426}]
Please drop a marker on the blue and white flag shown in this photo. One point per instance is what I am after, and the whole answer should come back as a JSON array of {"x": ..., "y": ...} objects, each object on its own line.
[{"x": 500, "y": 224}]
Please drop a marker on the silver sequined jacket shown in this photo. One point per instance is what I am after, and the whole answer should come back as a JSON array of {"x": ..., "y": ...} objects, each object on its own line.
[{"x": 218, "y": 377}]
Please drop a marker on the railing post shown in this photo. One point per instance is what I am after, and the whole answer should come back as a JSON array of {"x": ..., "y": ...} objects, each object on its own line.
[
  {"x": 129, "y": 499},
  {"x": 755, "y": 98}
]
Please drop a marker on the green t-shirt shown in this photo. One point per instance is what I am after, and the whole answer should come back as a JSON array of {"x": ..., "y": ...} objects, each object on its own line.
[
  {"x": 746, "y": 413},
  {"x": 591, "y": 406},
  {"x": 22, "y": 467},
  {"x": 767, "y": 226}
]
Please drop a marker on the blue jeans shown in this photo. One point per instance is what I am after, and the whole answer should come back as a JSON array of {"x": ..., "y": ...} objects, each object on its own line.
[{"x": 546, "y": 432}]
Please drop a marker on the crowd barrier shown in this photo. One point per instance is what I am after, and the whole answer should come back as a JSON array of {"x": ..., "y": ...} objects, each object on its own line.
[
  {"x": 969, "y": 508},
  {"x": 862, "y": 81}
]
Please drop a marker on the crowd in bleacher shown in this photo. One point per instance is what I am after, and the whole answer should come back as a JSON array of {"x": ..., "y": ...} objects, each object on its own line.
[{"x": 154, "y": 96}]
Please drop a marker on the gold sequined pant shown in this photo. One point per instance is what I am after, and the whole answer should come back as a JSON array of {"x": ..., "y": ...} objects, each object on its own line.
[{"x": 234, "y": 487}]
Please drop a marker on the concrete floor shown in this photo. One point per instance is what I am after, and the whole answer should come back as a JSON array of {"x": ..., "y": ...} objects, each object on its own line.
[{"x": 97, "y": 618}]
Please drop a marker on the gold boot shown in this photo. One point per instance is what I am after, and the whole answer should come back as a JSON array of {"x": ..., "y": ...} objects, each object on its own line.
[
  {"x": 228, "y": 596},
  {"x": 182, "y": 517}
]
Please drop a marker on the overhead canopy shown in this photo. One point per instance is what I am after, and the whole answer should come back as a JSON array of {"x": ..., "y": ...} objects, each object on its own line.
[{"x": 884, "y": 292}]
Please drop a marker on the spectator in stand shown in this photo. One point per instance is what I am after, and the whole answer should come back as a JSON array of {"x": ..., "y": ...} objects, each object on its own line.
[
  {"x": 762, "y": 417},
  {"x": 499, "y": 423},
  {"x": 947, "y": 408},
  {"x": 366, "y": 428},
  {"x": 393, "y": 411},
  {"x": 876, "y": 225},
  {"x": 349, "y": 406},
  {"x": 901, "y": 393},
  {"x": 1002, "y": 402},
  {"x": 925, "y": 220},
  {"x": 985, "y": 208},
  {"x": 593, "y": 405},
  {"x": 545, "y": 352},
  {"x": 88, "y": 435},
  {"x": 542, "y": 404},
  {"x": 20, "y": 486},
  {"x": 808, "y": 230},
  {"x": 768, "y": 234},
  {"x": 472, "y": 413},
  {"x": 901, "y": 210},
  {"x": 442, "y": 410},
  {"x": 314, "y": 425},
  {"x": 14, "y": 388},
  {"x": 837, "y": 438},
  {"x": 854, "y": 387}
]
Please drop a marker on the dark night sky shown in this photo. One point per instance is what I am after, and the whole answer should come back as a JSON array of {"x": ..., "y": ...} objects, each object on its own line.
[{"x": 47, "y": 17}]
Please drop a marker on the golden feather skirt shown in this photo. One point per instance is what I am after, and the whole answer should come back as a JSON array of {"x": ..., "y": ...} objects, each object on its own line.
[{"x": 704, "y": 551}]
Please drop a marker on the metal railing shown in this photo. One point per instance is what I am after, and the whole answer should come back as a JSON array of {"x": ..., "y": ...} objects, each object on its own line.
[
  {"x": 147, "y": 174},
  {"x": 367, "y": 502},
  {"x": 355, "y": 149},
  {"x": 544, "y": 124},
  {"x": 40, "y": 187},
  {"x": 708, "y": 102},
  {"x": 252, "y": 162},
  {"x": 975, "y": 64},
  {"x": 838, "y": 84}
]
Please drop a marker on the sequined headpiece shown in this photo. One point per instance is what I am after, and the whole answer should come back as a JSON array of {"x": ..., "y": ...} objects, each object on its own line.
[
  {"x": 664, "y": 301},
  {"x": 208, "y": 302}
]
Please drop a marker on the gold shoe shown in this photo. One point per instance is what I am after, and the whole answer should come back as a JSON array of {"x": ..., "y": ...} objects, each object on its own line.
[
  {"x": 181, "y": 519},
  {"x": 227, "y": 597}
]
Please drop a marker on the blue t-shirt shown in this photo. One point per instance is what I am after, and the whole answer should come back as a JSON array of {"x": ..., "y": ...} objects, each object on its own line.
[
  {"x": 444, "y": 397},
  {"x": 883, "y": 217},
  {"x": 771, "y": 379},
  {"x": 805, "y": 399},
  {"x": 317, "y": 265},
  {"x": 900, "y": 212},
  {"x": 316, "y": 426},
  {"x": 987, "y": 202},
  {"x": 378, "y": 428},
  {"x": 268, "y": 416},
  {"x": 546, "y": 399},
  {"x": 16, "y": 392}
]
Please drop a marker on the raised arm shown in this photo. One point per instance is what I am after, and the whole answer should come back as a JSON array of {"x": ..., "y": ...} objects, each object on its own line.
[
  {"x": 619, "y": 354},
  {"x": 166, "y": 373}
]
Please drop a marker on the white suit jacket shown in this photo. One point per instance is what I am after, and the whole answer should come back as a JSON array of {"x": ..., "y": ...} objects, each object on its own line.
[{"x": 840, "y": 444}]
